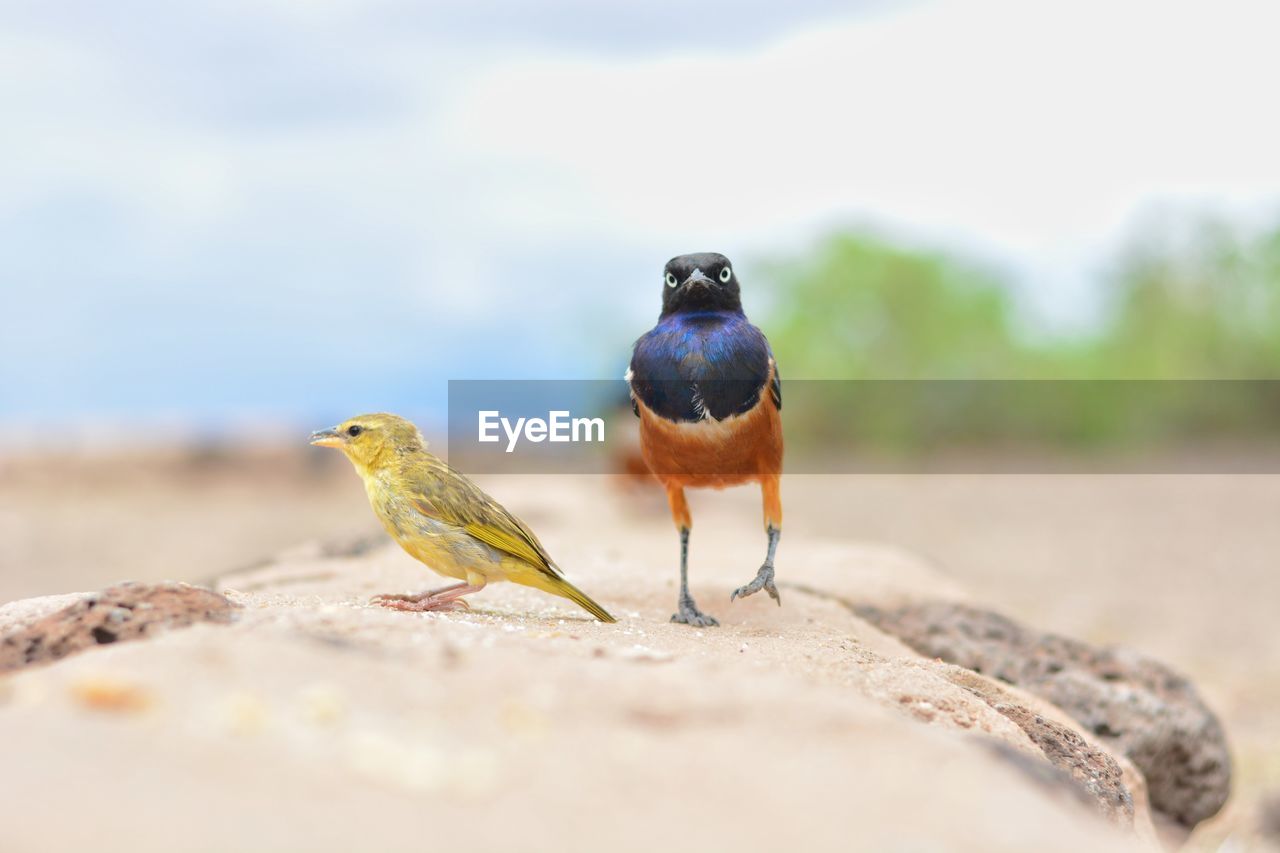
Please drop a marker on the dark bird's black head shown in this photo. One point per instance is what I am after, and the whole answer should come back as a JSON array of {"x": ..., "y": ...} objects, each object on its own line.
[{"x": 701, "y": 282}]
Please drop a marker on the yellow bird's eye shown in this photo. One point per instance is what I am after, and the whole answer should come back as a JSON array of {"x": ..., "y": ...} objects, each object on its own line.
[
  {"x": 671, "y": 280},
  {"x": 354, "y": 430},
  {"x": 726, "y": 274}
]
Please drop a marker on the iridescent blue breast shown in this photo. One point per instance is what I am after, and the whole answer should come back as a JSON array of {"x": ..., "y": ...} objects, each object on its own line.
[{"x": 693, "y": 367}]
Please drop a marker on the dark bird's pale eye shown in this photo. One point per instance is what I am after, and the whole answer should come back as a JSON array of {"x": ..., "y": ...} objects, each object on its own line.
[
  {"x": 671, "y": 280},
  {"x": 726, "y": 274},
  {"x": 354, "y": 430}
]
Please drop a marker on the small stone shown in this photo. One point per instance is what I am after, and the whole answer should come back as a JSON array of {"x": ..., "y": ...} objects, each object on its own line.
[
  {"x": 245, "y": 714},
  {"x": 323, "y": 705},
  {"x": 525, "y": 721},
  {"x": 380, "y": 758},
  {"x": 644, "y": 654},
  {"x": 101, "y": 693}
]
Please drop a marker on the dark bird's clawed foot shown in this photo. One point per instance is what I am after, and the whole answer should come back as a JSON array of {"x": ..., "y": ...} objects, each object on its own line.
[
  {"x": 764, "y": 580},
  {"x": 420, "y": 603},
  {"x": 689, "y": 614}
]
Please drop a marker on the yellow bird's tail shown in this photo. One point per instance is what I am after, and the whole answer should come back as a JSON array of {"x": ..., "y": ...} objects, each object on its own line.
[{"x": 561, "y": 587}]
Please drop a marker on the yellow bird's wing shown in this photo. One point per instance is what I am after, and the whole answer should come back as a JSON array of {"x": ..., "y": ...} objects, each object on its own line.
[{"x": 442, "y": 493}]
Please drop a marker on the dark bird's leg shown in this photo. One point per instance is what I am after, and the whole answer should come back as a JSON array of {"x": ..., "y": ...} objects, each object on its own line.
[
  {"x": 687, "y": 612},
  {"x": 773, "y": 527},
  {"x": 445, "y": 598}
]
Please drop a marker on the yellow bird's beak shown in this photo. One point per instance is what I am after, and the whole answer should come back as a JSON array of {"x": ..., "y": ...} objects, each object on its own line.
[{"x": 327, "y": 438}]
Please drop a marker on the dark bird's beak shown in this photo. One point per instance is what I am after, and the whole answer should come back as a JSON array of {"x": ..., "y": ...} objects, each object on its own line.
[
  {"x": 696, "y": 277},
  {"x": 326, "y": 438}
]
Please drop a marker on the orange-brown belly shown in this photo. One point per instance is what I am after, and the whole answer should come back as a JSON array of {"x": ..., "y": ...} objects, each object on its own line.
[{"x": 710, "y": 453}]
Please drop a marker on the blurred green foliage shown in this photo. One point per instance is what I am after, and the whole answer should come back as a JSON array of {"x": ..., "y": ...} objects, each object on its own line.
[
  {"x": 862, "y": 308},
  {"x": 1206, "y": 305},
  {"x": 1200, "y": 301}
]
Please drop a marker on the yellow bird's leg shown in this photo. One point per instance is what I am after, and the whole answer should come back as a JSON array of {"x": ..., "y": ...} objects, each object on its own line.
[
  {"x": 445, "y": 598},
  {"x": 770, "y": 492}
]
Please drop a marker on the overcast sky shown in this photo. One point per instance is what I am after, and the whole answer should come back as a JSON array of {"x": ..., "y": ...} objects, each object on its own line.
[{"x": 222, "y": 210}]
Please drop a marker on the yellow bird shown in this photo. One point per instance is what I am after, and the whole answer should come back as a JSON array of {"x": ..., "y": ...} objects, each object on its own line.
[{"x": 443, "y": 519}]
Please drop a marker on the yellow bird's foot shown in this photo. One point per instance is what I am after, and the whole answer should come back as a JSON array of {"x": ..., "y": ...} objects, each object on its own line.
[
  {"x": 437, "y": 600},
  {"x": 418, "y": 604},
  {"x": 764, "y": 580}
]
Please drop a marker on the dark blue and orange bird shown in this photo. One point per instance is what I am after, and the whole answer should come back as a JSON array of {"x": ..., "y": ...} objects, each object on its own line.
[{"x": 706, "y": 389}]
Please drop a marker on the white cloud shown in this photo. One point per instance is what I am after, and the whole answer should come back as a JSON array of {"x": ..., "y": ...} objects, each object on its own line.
[
  {"x": 1033, "y": 129},
  {"x": 215, "y": 184}
]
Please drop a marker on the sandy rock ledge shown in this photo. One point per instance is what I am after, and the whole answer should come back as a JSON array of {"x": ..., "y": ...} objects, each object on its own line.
[{"x": 289, "y": 714}]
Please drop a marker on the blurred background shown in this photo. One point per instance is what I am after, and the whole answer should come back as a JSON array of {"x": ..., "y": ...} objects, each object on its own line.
[
  {"x": 223, "y": 224},
  {"x": 282, "y": 213}
]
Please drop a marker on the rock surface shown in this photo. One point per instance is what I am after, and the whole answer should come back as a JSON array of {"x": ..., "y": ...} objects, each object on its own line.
[
  {"x": 1269, "y": 819},
  {"x": 1107, "y": 784},
  {"x": 1134, "y": 704},
  {"x": 315, "y": 721},
  {"x": 119, "y": 614}
]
